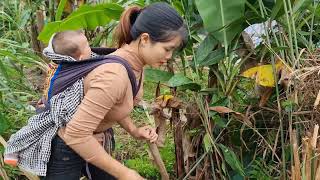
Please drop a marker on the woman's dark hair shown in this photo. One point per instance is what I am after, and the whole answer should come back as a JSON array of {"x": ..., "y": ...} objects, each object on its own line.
[{"x": 159, "y": 20}]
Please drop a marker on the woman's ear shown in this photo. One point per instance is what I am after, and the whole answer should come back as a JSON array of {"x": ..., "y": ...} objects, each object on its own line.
[{"x": 145, "y": 38}]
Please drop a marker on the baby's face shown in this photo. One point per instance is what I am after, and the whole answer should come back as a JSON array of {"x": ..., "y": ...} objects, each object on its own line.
[{"x": 85, "y": 50}]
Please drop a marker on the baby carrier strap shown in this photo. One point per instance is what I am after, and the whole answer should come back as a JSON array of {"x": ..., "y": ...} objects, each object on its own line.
[
  {"x": 68, "y": 72},
  {"x": 102, "y": 50}
]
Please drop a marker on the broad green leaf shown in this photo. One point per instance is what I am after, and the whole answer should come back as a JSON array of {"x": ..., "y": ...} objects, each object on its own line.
[
  {"x": 156, "y": 75},
  {"x": 49, "y": 30},
  {"x": 222, "y": 15},
  {"x": 207, "y": 91},
  {"x": 232, "y": 159},
  {"x": 190, "y": 86},
  {"x": 60, "y": 9},
  {"x": 86, "y": 17},
  {"x": 205, "y": 47},
  {"x": 220, "y": 122},
  {"x": 180, "y": 80},
  {"x": 213, "y": 58},
  {"x": 217, "y": 119}
]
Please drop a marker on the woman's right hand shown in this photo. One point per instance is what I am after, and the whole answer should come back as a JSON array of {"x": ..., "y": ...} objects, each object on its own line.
[
  {"x": 146, "y": 133},
  {"x": 132, "y": 175}
]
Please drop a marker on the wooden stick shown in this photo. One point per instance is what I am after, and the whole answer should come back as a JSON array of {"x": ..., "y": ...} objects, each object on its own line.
[
  {"x": 158, "y": 161},
  {"x": 155, "y": 151}
]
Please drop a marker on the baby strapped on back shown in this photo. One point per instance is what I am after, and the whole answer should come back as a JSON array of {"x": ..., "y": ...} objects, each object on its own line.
[{"x": 67, "y": 43}]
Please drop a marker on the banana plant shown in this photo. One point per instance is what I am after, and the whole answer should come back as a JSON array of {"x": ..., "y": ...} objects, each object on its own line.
[{"x": 86, "y": 17}]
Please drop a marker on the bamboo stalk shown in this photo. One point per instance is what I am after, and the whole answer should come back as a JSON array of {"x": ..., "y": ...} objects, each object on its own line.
[
  {"x": 318, "y": 173},
  {"x": 293, "y": 173},
  {"x": 296, "y": 156},
  {"x": 314, "y": 162},
  {"x": 314, "y": 137},
  {"x": 316, "y": 102},
  {"x": 308, "y": 152}
]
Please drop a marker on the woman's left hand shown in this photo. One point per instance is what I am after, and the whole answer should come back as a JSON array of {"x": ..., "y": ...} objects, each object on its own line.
[{"x": 147, "y": 133}]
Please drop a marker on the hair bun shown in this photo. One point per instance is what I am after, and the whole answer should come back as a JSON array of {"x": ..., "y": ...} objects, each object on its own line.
[{"x": 134, "y": 15}]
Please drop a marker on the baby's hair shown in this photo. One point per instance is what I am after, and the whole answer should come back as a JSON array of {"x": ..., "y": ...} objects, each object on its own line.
[{"x": 65, "y": 43}]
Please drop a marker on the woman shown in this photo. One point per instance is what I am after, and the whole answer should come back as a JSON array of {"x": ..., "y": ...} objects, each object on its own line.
[{"x": 145, "y": 36}]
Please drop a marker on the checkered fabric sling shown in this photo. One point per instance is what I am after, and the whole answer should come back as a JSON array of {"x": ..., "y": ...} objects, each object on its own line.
[{"x": 66, "y": 91}]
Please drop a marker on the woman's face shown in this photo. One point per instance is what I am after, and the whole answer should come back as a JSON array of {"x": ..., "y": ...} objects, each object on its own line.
[{"x": 157, "y": 53}]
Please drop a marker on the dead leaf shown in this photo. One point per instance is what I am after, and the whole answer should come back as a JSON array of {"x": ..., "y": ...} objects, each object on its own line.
[
  {"x": 174, "y": 103},
  {"x": 264, "y": 75},
  {"x": 222, "y": 109},
  {"x": 167, "y": 101},
  {"x": 265, "y": 96}
]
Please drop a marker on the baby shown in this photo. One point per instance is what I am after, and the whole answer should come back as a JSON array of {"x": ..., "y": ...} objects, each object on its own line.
[
  {"x": 68, "y": 43},
  {"x": 72, "y": 43}
]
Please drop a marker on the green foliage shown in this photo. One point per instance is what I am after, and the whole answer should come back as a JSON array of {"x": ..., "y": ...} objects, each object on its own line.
[
  {"x": 144, "y": 166},
  {"x": 16, "y": 88},
  {"x": 205, "y": 48},
  {"x": 179, "y": 80},
  {"x": 16, "y": 61},
  {"x": 214, "y": 57},
  {"x": 60, "y": 9},
  {"x": 207, "y": 143},
  {"x": 86, "y": 17},
  {"x": 259, "y": 170},
  {"x": 228, "y": 17},
  {"x": 215, "y": 38},
  {"x": 156, "y": 75},
  {"x": 288, "y": 105},
  {"x": 232, "y": 159}
]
